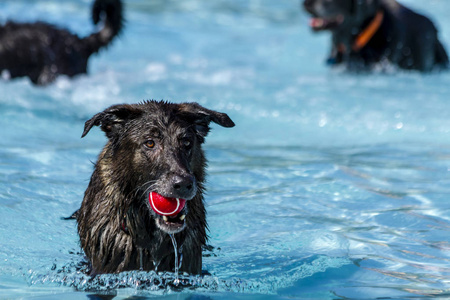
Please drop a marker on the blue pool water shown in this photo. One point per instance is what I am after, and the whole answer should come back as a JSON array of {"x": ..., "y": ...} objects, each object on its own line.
[{"x": 331, "y": 185}]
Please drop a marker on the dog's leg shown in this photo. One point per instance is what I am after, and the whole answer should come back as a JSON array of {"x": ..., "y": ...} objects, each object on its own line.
[
  {"x": 441, "y": 56},
  {"x": 424, "y": 56}
]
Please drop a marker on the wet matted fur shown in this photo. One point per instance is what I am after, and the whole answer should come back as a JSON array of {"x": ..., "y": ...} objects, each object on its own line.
[
  {"x": 42, "y": 51},
  {"x": 152, "y": 146},
  {"x": 367, "y": 32}
]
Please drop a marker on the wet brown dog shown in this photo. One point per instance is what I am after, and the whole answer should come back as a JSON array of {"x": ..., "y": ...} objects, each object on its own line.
[
  {"x": 152, "y": 147},
  {"x": 366, "y": 32},
  {"x": 42, "y": 52}
]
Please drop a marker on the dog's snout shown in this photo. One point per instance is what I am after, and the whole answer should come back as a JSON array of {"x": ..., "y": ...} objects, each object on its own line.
[{"x": 183, "y": 184}]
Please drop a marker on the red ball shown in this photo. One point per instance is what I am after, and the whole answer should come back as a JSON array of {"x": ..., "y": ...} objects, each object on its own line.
[{"x": 165, "y": 206}]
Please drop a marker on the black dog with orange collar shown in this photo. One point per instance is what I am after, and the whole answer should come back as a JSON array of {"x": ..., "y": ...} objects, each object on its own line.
[{"x": 370, "y": 32}]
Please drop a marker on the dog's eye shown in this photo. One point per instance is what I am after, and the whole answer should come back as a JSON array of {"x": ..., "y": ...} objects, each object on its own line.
[
  {"x": 187, "y": 144},
  {"x": 150, "y": 144}
]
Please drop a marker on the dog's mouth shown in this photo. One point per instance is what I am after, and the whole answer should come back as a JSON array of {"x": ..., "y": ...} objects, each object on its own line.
[
  {"x": 319, "y": 24},
  {"x": 170, "y": 212},
  {"x": 171, "y": 224}
]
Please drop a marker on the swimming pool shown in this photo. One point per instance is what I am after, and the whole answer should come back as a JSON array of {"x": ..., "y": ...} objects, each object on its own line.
[{"x": 331, "y": 185}]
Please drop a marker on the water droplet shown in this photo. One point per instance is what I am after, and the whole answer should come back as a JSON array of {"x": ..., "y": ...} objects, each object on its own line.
[
  {"x": 156, "y": 265},
  {"x": 141, "y": 262},
  {"x": 175, "y": 248}
]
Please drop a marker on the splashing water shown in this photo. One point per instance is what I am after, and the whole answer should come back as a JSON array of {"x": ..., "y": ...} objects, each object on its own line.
[{"x": 74, "y": 275}]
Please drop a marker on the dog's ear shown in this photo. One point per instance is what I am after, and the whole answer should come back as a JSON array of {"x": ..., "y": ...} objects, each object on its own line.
[
  {"x": 112, "y": 119},
  {"x": 201, "y": 117}
]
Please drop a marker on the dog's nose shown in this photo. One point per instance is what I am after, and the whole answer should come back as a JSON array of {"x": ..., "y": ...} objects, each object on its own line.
[{"x": 183, "y": 184}]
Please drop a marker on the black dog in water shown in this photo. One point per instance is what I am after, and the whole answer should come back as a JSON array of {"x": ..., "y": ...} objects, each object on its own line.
[
  {"x": 42, "y": 52},
  {"x": 365, "y": 32},
  {"x": 154, "y": 148}
]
